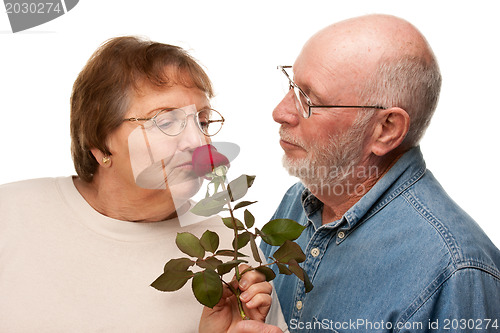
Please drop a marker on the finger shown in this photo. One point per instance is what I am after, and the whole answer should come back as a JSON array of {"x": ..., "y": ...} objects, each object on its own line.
[
  {"x": 256, "y": 289},
  {"x": 234, "y": 283},
  {"x": 242, "y": 267},
  {"x": 258, "y": 307},
  {"x": 259, "y": 301},
  {"x": 250, "y": 278},
  {"x": 252, "y": 326},
  {"x": 226, "y": 292},
  {"x": 218, "y": 307},
  {"x": 225, "y": 298}
]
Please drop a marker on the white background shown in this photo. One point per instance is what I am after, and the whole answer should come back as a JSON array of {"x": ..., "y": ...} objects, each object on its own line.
[{"x": 240, "y": 44}]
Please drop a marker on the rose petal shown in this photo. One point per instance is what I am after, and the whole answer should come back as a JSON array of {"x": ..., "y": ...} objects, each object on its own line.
[{"x": 206, "y": 158}]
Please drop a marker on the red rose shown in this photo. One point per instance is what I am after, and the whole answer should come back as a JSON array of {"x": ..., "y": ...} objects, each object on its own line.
[{"x": 206, "y": 158}]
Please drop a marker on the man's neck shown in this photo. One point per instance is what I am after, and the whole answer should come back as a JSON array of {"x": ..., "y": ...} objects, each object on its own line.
[{"x": 339, "y": 198}]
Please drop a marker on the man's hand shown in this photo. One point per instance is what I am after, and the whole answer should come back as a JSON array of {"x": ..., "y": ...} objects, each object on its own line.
[
  {"x": 256, "y": 299},
  {"x": 252, "y": 326}
]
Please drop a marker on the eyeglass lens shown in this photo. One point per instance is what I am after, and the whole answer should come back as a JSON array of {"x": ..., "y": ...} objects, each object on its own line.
[
  {"x": 173, "y": 122},
  {"x": 301, "y": 102},
  {"x": 300, "y": 99}
]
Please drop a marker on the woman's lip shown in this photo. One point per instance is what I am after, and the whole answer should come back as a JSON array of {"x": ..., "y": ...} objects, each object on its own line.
[{"x": 185, "y": 165}]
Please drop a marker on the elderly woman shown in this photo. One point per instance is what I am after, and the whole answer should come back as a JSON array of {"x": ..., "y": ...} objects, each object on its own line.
[{"x": 78, "y": 254}]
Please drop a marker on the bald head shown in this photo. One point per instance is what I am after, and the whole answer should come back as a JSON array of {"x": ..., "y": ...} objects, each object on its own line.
[
  {"x": 381, "y": 34},
  {"x": 374, "y": 60},
  {"x": 361, "y": 42}
]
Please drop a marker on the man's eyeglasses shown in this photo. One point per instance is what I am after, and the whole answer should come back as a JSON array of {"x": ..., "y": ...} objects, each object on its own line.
[
  {"x": 304, "y": 104},
  {"x": 173, "y": 121}
]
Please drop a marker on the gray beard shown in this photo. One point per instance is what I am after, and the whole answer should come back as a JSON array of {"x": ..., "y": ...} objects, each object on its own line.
[{"x": 331, "y": 164}]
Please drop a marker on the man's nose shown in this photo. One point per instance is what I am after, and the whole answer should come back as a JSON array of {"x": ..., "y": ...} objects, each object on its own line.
[{"x": 286, "y": 111}]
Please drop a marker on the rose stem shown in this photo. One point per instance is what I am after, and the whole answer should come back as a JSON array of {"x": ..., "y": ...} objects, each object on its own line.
[{"x": 237, "y": 292}]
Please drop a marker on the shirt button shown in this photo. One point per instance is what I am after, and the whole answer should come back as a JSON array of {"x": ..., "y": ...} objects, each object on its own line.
[
  {"x": 341, "y": 235},
  {"x": 299, "y": 305},
  {"x": 315, "y": 252}
]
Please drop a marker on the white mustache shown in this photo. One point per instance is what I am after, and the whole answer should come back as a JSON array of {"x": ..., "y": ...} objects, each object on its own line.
[{"x": 289, "y": 138}]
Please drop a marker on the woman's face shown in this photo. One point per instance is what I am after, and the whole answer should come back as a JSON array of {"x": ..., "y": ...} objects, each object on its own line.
[{"x": 146, "y": 159}]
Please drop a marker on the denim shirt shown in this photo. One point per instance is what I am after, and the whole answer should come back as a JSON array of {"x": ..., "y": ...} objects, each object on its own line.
[{"x": 404, "y": 258}]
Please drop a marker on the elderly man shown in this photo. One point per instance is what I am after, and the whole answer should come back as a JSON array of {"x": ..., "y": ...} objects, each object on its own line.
[{"x": 387, "y": 249}]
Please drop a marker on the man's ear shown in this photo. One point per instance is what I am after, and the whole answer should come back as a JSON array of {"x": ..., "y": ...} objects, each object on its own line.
[{"x": 390, "y": 130}]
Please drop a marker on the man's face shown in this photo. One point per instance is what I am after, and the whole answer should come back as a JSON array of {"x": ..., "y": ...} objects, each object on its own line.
[{"x": 330, "y": 138}]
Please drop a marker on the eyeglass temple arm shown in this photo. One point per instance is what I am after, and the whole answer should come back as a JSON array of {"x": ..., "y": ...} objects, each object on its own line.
[
  {"x": 350, "y": 106},
  {"x": 136, "y": 119}
]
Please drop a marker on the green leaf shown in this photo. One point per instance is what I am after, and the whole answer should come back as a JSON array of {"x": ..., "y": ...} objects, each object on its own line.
[
  {"x": 243, "y": 240},
  {"x": 190, "y": 245},
  {"x": 301, "y": 274},
  {"x": 208, "y": 206},
  {"x": 228, "y": 222},
  {"x": 255, "y": 249},
  {"x": 217, "y": 181},
  {"x": 207, "y": 287},
  {"x": 276, "y": 232},
  {"x": 180, "y": 264},
  {"x": 243, "y": 204},
  {"x": 175, "y": 275},
  {"x": 210, "y": 241},
  {"x": 239, "y": 187},
  {"x": 268, "y": 272},
  {"x": 210, "y": 262},
  {"x": 228, "y": 266},
  {"x": 289, "y": 250},
  {"x": 222, "y": 196},
  {"x": 172, "y": 280},
  {"x": 307, "y": 283},
  {"x": 283, "y": 269},
  {"x": 229, "y": 253},
  {"x": 249, "y": 219}
]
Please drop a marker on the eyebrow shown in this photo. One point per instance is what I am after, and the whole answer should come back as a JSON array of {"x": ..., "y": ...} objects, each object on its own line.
[
  {"x": 310, "y": 92},
  {"x": 305, "y": 88},
  {"x": 171, "y": 108},
  {"x": 157, "y": 110},
  {"x": 315, "y": 99}
]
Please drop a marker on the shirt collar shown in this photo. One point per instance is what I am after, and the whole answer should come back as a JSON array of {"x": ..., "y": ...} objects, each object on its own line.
[
  {"x": 406, "y": 171},
  {"x": 312, "y": 208}
]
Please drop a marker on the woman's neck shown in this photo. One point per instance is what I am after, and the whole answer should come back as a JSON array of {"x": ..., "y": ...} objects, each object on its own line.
[{"x": 127, "y": 203}]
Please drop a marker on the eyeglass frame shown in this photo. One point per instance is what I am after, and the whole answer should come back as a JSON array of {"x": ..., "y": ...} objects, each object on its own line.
[
  {"x": 310, "y": 105},
  {"x": 195, "y": 116}
]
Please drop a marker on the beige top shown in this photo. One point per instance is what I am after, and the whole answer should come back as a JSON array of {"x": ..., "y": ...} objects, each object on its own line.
[{"x": 66, "y": 268}]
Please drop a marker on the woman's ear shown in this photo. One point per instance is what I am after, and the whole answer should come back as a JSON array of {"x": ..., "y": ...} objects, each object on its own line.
[
  {"x": 390, "y": 130},
  {"x": 101, "y": 158}
]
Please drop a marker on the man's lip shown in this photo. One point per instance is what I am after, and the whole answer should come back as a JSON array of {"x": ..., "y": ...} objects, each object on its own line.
[{"x": 288, "y": 145}]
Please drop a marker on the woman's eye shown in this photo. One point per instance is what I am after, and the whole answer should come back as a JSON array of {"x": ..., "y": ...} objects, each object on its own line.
[
  {"x": 166, "y": 120},
  {"x": 204, "y": 124},
  {"x": 164, "y": 124}
]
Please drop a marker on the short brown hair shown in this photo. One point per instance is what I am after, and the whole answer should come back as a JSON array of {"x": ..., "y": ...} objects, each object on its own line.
[{"x": 101, "y": 92}]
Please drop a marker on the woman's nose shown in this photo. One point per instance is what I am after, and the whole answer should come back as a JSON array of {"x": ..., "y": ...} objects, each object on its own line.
[{"x": 191, "y": 136}]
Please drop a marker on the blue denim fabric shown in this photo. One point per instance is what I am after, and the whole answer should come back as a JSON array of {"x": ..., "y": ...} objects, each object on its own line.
[{"x": 404, "y": 258}]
